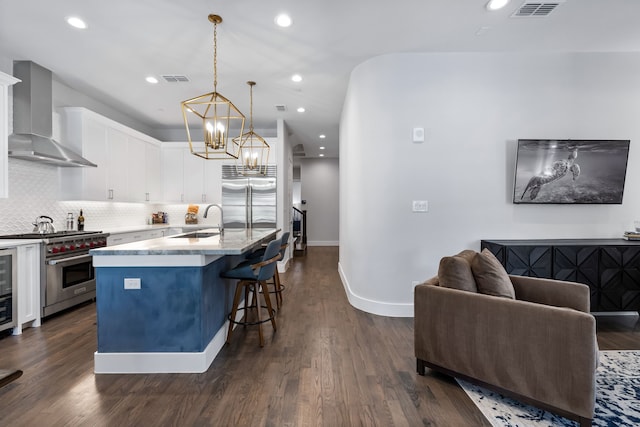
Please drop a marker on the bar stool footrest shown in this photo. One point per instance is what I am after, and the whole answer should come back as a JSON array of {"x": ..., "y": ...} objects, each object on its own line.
[
  {"x": 280, "y": 289},
  {"x": 246, "y": 323}
]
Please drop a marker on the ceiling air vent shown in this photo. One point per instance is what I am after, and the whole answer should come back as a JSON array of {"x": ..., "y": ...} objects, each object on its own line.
[
  {"x": 175, "y": 78},
  {"x": 281, "y": 108},
  {"x": 536, "y": 9}
]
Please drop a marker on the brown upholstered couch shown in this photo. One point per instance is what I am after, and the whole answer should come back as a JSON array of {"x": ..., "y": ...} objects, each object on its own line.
[{"x": 540, "y": 348}]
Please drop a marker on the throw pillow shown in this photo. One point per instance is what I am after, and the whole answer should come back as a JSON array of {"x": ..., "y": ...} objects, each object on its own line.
[
  {"x": 455, "y": 272},
  {"x": 491, "y": 277},
  {"x": 467, "y": 254}
]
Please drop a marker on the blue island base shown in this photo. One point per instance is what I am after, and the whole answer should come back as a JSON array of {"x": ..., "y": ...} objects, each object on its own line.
[{"x": 176, "y": 322}]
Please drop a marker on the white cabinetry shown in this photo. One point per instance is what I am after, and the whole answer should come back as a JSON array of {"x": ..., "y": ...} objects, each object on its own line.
[
  {"x": 188, "y": 178},
  {"x": 121, "y": 154},
  {"x": 192, "y": 180},
  {"x": 133, "y": 236},
  {"x": 28, "y": 263},
  {"x": 172, "y": 174},
  {"x": 5, "y": 81},
  {"x": 118, "y": 165},
  {"x": 153, "y": 178}
]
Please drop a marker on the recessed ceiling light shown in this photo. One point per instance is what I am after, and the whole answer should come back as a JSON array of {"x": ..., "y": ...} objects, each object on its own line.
[
  {"x": 323, "y": 136},
  {"x": 322, "y": 148},
  {"x": 151, "y": 80},
  {"x": 283, "y": 20},
  {"x": 496, "y": 4},
  {"x": 76, "y": 22},
  {"x": 321, "y": 155},
  {"x": 296, "y": 78},
  {"x": 301, "y": 110}
]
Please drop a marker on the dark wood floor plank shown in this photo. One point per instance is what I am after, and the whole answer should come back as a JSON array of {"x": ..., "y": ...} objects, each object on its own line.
[{"x": 328, "y": 364}]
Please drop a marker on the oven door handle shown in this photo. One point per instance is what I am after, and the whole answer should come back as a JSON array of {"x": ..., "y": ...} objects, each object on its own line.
[{"x": 73, "y": 259}]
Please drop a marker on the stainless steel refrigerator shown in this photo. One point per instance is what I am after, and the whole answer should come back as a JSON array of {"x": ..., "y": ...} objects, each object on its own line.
[{"x": 249, "y": 201}]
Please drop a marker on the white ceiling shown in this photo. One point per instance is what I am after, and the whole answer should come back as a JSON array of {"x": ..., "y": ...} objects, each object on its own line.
[{"x": 128, "y": 40}]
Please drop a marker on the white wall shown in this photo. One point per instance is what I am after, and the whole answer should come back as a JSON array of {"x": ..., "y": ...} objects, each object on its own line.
[
  {"x": 319, "y": 180},
  {"x": 284, "y": 161},
  {"x": 473, "y": 107}
]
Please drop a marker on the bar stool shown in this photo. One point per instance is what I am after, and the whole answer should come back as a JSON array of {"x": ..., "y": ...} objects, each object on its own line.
[
  {"x": 277, "y": 285},
  {"x": 252, "y": 276}
]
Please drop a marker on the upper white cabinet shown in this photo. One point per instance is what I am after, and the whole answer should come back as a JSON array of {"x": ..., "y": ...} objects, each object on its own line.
[
  {"x": 5, "y": 81},
  {"x": 172, "y": 173},
  {"x": 122, "y": 157},
  {"x": 153, "y": 181},
  {"x": 188, "y": 178}
]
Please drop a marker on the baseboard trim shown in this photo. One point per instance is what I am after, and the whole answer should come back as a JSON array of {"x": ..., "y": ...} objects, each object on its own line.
[
  {"x": 160, "y": 363},
  {"x": 374, "y": 307},
  {"x": 283, "y": 266},
  {"x": 323, "y": 243}
]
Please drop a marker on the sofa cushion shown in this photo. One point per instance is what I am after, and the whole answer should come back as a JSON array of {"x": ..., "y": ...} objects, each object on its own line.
[
  {"x": 490, "y": 276},
  {"x": 455, "y": 272}
]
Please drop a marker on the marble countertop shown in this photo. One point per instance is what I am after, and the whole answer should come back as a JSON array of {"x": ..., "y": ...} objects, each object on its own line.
[
  {"x": 145, "y": 227},
  {"x": 232, "y": 242}
]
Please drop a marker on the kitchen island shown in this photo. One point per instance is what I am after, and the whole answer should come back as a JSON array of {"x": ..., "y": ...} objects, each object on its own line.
[{"x": 161, "y": 303}]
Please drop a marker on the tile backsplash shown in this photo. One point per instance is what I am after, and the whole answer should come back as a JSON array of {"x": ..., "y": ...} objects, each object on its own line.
[{"x": 34, "y": 190}]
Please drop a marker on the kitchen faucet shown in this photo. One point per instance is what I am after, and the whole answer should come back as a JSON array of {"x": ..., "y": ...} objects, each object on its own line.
[{"x": 221, "y": 224}]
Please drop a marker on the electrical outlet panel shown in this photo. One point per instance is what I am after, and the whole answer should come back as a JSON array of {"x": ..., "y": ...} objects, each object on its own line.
[
  {"x": 132, "y": 283},
  {"x": 420, "y": 206}
]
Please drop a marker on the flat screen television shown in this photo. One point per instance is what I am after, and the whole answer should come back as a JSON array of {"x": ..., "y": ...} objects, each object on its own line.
[{"x": 570, "y": 171}]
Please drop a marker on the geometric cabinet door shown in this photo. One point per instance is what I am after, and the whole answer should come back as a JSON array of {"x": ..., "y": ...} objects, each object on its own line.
[
  {"x": 531, "y": 261},
  {"x": 578, "y": 264},
  {"x": 619, "y": 287}
]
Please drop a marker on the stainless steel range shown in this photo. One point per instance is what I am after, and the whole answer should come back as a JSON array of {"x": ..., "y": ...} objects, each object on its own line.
[{"x": 67, "y": 274}]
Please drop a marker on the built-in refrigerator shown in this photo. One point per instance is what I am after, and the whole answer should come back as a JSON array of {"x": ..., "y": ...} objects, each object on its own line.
[{"x": 249, "y": 201}]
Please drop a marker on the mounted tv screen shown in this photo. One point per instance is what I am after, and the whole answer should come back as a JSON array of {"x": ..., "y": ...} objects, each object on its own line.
[{"x": 570, "y": 171}]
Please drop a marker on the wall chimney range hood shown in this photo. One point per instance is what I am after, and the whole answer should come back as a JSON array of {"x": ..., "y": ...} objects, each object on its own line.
[{"x": 32, "y": 120}]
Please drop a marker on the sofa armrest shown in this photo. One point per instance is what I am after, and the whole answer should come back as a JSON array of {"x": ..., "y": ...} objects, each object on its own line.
[
  {"x": 552, "y": 292},
  {"x": 542, "y": 352}
]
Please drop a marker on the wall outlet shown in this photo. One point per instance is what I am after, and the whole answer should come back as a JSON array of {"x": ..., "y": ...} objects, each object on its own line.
[
  {"x": 130, "y": 283},
  {"x": 420, "y": 206}
]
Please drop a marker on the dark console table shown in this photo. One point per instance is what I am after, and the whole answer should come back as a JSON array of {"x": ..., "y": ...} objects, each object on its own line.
[{"x": 610, "y": 267}]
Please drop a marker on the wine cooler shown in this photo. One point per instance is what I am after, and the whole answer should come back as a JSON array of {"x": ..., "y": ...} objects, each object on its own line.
[{"x": 8, "y": 289}]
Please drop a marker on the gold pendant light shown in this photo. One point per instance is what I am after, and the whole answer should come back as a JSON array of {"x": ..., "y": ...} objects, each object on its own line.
[
  {"x": 211, "y": 118},
  {"x": 253, "y": 153}
]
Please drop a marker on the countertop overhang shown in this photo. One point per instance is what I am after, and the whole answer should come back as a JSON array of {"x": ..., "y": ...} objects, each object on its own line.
[{"x": 178, "y": 250}]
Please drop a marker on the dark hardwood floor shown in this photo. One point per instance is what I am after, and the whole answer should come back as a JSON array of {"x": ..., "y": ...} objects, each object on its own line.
[{"x": 328, "y": 365}]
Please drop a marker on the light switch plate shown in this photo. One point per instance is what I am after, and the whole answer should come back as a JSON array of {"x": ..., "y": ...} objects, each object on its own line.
[
  {"x": 420, "y": 206},
  {"x": 132, "y": 283},
  {"x": 418, "y": 134}
]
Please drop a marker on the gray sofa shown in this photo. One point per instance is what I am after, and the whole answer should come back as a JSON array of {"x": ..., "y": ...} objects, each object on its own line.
[{"x": 539, "y": 348}]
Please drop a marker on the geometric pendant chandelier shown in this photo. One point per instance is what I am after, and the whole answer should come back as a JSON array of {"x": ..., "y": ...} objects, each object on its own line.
[
  {"x": 211, "y": 120},
  {"x": 253, "y": 151}
]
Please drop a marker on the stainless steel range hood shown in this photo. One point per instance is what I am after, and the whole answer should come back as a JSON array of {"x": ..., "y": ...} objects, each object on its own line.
[{"x": 32, "y": 119}]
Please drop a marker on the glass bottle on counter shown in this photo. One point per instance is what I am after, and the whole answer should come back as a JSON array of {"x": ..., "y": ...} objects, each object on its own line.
[
  {"x": 80, "y": 221},
  {"x": 70, "y": 221}
]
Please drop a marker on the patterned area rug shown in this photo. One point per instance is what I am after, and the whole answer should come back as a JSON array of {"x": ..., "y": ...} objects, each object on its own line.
[{"x": 617, "y": 398}]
